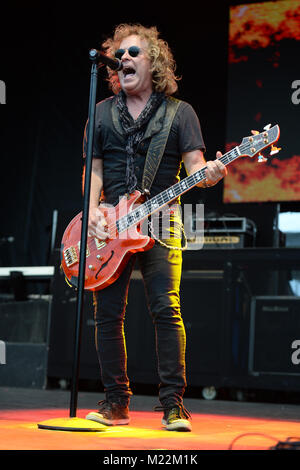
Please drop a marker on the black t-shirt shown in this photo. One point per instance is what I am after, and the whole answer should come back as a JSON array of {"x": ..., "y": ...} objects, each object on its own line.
[{"x": 110, "y": 145}]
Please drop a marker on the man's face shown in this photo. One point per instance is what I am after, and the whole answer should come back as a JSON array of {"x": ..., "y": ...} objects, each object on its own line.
[{"x": 135, "y": 76}]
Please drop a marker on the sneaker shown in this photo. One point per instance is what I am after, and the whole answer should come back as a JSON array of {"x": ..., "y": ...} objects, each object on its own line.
[
  {"x": 176, "y": 418},
  {"x": 111, "y": 414}
]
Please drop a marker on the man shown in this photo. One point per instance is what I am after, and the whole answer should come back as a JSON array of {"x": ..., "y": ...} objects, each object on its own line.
[{"x": 125, "y": 124}]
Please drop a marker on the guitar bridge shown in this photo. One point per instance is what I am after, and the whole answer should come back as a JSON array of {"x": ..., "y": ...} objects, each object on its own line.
[{"x": 70, "y": 256}]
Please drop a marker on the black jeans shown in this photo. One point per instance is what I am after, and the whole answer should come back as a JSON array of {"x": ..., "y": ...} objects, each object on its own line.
[{"x": 161, "y": 271}]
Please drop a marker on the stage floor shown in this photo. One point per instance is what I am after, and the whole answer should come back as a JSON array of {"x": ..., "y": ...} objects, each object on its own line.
[{"x": 217, "y": 425}]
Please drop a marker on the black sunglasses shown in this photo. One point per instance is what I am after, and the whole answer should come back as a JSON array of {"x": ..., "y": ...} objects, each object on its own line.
[{"x": 133, "y": 51}]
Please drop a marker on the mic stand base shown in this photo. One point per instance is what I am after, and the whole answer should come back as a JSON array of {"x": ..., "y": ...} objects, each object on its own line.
[{"x": 72, "y": 424}]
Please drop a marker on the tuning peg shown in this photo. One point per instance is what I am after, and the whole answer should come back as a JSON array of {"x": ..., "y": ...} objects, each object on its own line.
[
  {"x": 267, "y": 127},
  {"x": 254, "y": 132},
  {"x": 261, "y": 158},
  {"x": 274, "y": 150}
]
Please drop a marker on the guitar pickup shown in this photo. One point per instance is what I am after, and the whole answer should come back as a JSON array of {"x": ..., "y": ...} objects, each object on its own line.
[
  {"x": 99, "y": 243},
  {"x": 70, "y": 256}
]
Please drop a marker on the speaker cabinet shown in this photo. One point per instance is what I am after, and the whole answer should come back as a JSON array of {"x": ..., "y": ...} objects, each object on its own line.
[
  {"x": 24, "y": 321},
  {"x": 24, "y": 335},
  {"x": 25, "y": 365},
  {"x": 274, "y": 330}
]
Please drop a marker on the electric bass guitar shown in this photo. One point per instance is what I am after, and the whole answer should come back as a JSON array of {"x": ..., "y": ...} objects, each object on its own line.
[{"x": 105, "y": 259}]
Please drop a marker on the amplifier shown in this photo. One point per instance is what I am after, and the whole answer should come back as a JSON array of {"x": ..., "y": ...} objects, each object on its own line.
[
  {"x": 274, "y": 338},
  {"x": 224, "y": 241},
  {"x": 223, "y": 232},
  {"x": 218, "y": 241},
  {"x": 228, "y": 225}
]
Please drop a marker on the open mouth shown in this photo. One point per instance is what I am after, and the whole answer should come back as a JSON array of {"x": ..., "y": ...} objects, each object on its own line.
[{"x": 128, "y": 71}]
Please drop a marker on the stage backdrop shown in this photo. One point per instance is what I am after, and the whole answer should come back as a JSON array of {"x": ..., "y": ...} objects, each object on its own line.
[{"x": 263, "y": 88}]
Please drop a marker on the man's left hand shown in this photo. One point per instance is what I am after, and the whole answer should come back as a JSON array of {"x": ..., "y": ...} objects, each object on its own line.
[{"x": 215, "y": 171}]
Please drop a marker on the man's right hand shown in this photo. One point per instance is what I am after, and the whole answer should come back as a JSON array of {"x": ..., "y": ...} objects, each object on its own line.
[{"x": 97, "y": 225}]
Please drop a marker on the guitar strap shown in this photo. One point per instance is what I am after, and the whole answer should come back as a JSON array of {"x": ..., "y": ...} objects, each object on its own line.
[{"x": 157, "y": 145}]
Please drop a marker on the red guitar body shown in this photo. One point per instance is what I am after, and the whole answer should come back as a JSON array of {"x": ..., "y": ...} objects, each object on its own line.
[{"x": 105, "y": 260}]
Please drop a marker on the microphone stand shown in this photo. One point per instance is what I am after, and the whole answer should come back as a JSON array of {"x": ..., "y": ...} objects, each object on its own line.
[
  {"x": 83, "y": 241},
  {"x": 73, "y": 423}
]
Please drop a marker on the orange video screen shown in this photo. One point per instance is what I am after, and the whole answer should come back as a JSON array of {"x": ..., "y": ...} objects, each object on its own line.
[{"x": 264, "y": 88}]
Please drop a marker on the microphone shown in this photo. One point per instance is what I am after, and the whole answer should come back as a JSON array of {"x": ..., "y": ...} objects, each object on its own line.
[{"x": 113, "y": 64}]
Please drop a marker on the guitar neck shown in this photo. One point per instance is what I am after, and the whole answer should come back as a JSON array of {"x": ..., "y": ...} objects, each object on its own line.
[
  {"x": 156, "y": 203},
  {"x": 168, "y": 195}
]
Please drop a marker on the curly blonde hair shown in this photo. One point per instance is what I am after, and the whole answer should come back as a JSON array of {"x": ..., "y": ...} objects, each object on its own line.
[{"x": 163, "y": 65}]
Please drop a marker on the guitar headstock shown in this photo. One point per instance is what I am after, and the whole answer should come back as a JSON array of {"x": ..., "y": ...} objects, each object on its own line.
[{"x": 258, "y": 141}]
